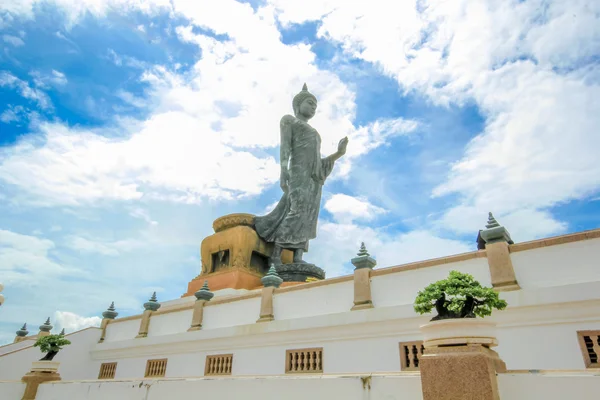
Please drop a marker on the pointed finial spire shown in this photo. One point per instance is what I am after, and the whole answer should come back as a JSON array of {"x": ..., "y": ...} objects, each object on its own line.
[
  {"x": 152, "y": 304},
  {"x": 62, "y": 333},
  {"x": 272, "y": 278},
  {"x": 363, "y": 250},
  {"x": 23, "y": 331},
  {"x": 46, "y": 327},
  {"x": 110, "y": 312},
  {"x": 204, "y": 293},
  {"x": 272, "y": 271},
  {"x": 494, "y": 232},
  {"x": 364, "y": 259},
  {"x": 304, "y": 87},
  {"x": 492, "y": 223}
]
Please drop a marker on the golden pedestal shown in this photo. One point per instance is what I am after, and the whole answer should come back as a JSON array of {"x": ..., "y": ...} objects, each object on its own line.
[{"x": 234, "y": 256}]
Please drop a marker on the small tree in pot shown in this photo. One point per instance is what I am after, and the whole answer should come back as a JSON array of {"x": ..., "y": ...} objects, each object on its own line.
[
  {"x": 458, "y": 296},
  {"x": 51, "y": 345}
]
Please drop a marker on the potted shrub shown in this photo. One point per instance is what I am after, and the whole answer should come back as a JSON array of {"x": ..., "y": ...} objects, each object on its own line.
[
  {"x": 50, "y": 345},
  {"x": 458, "y": 300}
]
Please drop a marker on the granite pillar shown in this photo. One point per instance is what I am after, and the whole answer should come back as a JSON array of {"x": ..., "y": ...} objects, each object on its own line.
[{"x": 363, "y": 264}]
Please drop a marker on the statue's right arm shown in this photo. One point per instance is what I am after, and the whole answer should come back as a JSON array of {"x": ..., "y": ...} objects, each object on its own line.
[{"x": 285, "y": 149}]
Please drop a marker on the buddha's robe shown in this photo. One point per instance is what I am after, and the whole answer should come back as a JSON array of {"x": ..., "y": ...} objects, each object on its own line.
[{"x": 293, "y": 222}]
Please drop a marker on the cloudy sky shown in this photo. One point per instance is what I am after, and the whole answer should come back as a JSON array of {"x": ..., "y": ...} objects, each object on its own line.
[{"x": 128, "y": 126}]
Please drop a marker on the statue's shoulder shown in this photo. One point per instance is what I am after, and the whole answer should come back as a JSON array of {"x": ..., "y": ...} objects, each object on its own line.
[{"x": 287, "y": 120}]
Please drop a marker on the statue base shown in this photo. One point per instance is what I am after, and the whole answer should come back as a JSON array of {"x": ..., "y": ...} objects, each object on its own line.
[
  {"x": 299, "y": 272},
  {"x": 234, "y": 257}
]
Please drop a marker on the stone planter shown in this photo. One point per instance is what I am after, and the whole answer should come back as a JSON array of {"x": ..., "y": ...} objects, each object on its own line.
[
  {"x": 459, "y": 331},
  {"x": 45, "y": 366}
]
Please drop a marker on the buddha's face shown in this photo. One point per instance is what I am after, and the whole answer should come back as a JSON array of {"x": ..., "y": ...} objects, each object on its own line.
[{"x": 308, "y": 108}]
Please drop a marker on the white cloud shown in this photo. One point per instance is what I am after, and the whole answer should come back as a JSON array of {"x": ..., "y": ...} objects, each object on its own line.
[
  {"x": 128, "y": 61},
  {"x": 76, "y": 9},
  {"x": 338, "y": 243},
  {"x": 9, "y": 80},
  {"x": 179, "y": 153},
  {"x": 47, "y": 80},
  {"x": 165, "y": 159},
  {"x": 107, "y": 248},
  {"x": 525, "y": 64},
  {"x": 72, "y": 322},
  {"x": 348, "y": 208},
  {"x": 23, "y": 256},
  {"x": 142, "y": 214},
  {"x": 14, "y": 40},
  {"x": 58, "y": 77},
  {"x": 12, "y": 114}
]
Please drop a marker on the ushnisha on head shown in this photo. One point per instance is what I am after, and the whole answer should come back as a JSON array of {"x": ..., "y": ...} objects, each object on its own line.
[{"x": 305, "y": 104}]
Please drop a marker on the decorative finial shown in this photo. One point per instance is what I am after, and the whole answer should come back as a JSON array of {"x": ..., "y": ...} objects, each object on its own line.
[
  {"x": 272, "y": 278},
  {"x": 494, "y": 232},
  {"x": 46, "y": 327},
  {"x": 492, "y": 223},
  {"x": 110, "y": 312},
  {"x": 304, "y": 87},
  {"x": 152, "y": 304},
  {"x": 364, "y": 259},
  {"x": 204, "y": 293},
  {"x": 23, "y": 331},
  {"x": 363, "y": 250},
  {"x": 62, "y": 333}
]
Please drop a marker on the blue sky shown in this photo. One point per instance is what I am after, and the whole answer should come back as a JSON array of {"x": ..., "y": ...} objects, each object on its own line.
[{"x": 127, "y": 127}]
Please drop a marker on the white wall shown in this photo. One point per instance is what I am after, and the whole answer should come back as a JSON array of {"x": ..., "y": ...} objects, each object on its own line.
[
  {"x": 402, "y": 287},
  {"x": 11, "y": 390},
  {"x": 9, "y": 348},
  {"x": 327, "y": 299},
  {"x": 240, "y": 312},
  {"x": 550, "y": 386},
  {"x": 75, "y": 359},
  {"x": 122, "y": 330},
  {"x": 167, "y": 324},
  {"x": 543, "y": 346},
  {"x": 272, "y": 388},
  {"x": 558, "y": 265}
]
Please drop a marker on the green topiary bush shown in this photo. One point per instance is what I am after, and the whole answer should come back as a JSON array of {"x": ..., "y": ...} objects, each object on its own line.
[
  {"x": 458, "y": 296},
  {"x": 51, "y": 345}
]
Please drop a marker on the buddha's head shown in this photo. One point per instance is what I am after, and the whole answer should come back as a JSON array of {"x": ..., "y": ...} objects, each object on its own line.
[{"x": 305, "y": 104}]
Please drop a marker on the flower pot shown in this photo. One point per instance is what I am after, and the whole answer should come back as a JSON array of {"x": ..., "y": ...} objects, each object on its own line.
[
  {"x": 45, "y": 366},
  {"x": 459, "y": 331}
]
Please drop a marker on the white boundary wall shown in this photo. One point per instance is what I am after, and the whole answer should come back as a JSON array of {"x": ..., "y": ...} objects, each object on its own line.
[
  {"x": 560, "y": 295},
  {"x": 512, "y": 386}
]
